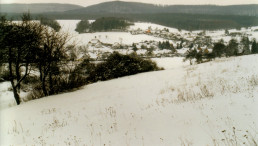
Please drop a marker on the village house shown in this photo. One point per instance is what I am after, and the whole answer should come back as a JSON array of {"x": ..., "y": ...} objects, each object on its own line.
[{"x": 95, "y": 43}]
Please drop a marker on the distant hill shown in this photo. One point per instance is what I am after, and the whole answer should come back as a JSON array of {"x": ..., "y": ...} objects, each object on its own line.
[
  {"x": 37, "y": 8},
  {"x": 189, "y": 17},
  {"x": 121, "y": 7}
]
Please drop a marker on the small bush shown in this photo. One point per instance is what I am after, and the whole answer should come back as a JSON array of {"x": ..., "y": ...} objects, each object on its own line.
[
  {"x": 69, "y": 82},
  {"x": 31, "y": 80},
  {"x": 36, "y": 93},
  {"x": 73, "y": 79},
  {"x": 118, "y": 65}
]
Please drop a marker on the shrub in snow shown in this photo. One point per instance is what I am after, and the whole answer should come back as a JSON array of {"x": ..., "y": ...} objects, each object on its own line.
[
  {"x": 66, "y": 80},
  {"x": 36, "y": 93},
  {"x": 118, "y": 65}
]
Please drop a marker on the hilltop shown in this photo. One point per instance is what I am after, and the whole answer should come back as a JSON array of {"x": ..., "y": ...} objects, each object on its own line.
[
  {"x": 189, "y": 17},
  {"x": 37, "y": 8},
  {"x": 120, "y": 7}
]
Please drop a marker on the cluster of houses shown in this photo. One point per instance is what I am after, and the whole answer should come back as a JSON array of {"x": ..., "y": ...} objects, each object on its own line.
[
  {"x": 160, "y": 33},
  {"x": 98, "y": 50},
  {"x": 180, "y": 43}
]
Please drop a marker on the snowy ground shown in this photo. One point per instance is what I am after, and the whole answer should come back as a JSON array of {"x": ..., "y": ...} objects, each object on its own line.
[
  {"x": 7, "y": 99},
  {"x": 170, "y": 63},
  {"x": 105, "y": 37},
  {"x": 209, "y": 104},
  {"x": 127, "y": 38},
  {"x": 6, "y": 96},
  {"x": 214, "y": 103}
]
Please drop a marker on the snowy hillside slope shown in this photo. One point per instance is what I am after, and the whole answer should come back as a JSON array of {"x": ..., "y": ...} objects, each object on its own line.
[{"x": 214, "y": 103}]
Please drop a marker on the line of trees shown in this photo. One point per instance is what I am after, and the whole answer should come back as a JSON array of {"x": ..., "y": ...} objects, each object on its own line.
[
  {"x": 165, "y": 45},
  {"x": 102, "y": 24},
  {"x": 176, "y": 20},
  {"x": 234, "y": 48}
]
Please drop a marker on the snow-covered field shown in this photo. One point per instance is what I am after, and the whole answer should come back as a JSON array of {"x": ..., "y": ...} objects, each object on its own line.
[
  {"x": 114, "y": 37},
  {"x": 105, "y": 37},
  {"x": 213, "y": 103},
  {"x": 7, "y": 99},
  {"x": 127, "y": 38}
]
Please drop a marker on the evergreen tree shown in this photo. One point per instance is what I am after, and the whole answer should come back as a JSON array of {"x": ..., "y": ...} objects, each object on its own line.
[
  {"x": 218, "y": 49},
  {"x": 167, "y": 44},
  {"x": 245, "y": 42},
  {"x": 254, "y": 47},
  {"x": 160, "y": 45},
  {"x": 134, "y": 48},
  {"x": 232, "y": 48}
]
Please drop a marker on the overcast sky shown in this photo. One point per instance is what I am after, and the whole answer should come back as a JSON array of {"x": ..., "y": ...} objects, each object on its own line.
[{"x": 164, "y": 2}]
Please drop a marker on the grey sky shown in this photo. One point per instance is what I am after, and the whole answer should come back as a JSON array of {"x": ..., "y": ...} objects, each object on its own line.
[{"x": 164, "y": 2}]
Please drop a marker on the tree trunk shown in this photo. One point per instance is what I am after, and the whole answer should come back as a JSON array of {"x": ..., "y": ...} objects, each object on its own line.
[
  {"x": 51, "y": 90},
  {"x": 44, "y": 86},
  {"x": 15, "y": 93},
  {"x": 17, "y": 69},
  {"x": 43, "y": 79},
  {"x": 18, "y": 76}
]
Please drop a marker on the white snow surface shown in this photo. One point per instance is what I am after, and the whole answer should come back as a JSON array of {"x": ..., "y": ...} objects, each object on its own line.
[
  {"x": 181, "y": 105},
  {"x": 171, "y": 63},
  {"x": 105, "y": 37},
  {"x": 6, "y": 96}
]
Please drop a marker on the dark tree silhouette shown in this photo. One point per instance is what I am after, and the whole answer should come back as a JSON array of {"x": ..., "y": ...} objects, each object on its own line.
[
  {"x": 20, "y": 42},
  {"x": 50, "y": 22}
]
